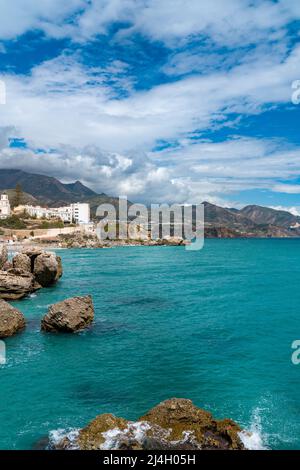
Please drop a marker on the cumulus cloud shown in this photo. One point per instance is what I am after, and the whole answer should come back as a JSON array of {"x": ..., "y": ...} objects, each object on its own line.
[
  {"x": 60, "y": 97},
  {"x": 233, "y": 22},
  {"x": 77, "y": 124}
]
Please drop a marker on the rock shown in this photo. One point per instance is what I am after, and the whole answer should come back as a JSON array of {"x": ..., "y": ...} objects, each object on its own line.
[
  {"x": 70, "y": 315},
  {"x": 172, "y": 241},
  {"x": 11, "y": 320},
  {"x": 22, "y": 262},
  {"x": 47, "y": 268},
  {"x": 32, "y": 252},
  {"x": 8, "y": 265},
  {"x": 91, "y": 437},
  {"x": 175, "y": 424},
  {"x": 15, "y": 284},
  {"x": 180, "y": 415},
  {"x": 3, "y": 256}
]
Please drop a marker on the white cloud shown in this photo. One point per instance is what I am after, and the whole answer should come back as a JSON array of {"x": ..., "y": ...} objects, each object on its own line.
[
  {"x": 233, "y": 22},
  {"x": 75, "y": 114},
  {"x": 63, "y": 103},
  {"x": 293, "y": 210},
  {"x": 20, "y": 16}
]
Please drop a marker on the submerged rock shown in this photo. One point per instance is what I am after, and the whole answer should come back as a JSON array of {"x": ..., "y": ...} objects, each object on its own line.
[
  {"x": 47, "y": 268},
  {"x": 11, "y": 320},
  {"x": 175, "y": 424},
  {"x": 70, "y": 315},
  {"x": 16, "y": 284}
]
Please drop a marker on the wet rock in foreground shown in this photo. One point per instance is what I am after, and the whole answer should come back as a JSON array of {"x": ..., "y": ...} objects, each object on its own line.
[{"x": 175, "y": 424}]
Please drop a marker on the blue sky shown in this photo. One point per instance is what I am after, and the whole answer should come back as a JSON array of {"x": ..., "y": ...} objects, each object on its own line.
[{"x": 159, "y": 100}]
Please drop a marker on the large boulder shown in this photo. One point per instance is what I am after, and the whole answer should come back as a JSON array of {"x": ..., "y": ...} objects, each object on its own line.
[
  {"x": 15, "y": 284},
  {"x": 70, "y": 315},
  {"x": 22, "y": 262},
  {"x": 11, "y": 320},
  {"x": 3, "y": 256},
  {"x": 175, "y": 424},
  {"x": 47, "y": 268}
]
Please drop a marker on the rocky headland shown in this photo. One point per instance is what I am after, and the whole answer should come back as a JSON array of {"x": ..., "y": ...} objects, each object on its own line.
[{"x": 175, "y": 424}]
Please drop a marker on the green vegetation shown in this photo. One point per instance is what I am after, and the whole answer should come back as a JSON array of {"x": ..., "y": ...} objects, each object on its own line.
[
  {"x": 13, "y": 222},
  {"x": 52, "y": 224}
]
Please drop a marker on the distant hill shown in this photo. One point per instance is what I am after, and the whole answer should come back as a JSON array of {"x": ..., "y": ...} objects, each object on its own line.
[
  {"x": 46, "y": 189},
  {"x": 215, "y": 215},
  {"x": 266, "y": 215},
  {"x": 252, "y": 221}
]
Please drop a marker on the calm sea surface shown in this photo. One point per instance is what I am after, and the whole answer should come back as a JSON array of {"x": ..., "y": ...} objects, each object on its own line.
[{"x": 215, "y": 326}]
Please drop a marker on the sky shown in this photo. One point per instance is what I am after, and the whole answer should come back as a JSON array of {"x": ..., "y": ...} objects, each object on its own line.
[{"x": 157, "y": 100}]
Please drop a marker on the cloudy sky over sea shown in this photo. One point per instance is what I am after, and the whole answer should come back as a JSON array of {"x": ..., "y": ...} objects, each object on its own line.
[{"x": 159, "y": 100}]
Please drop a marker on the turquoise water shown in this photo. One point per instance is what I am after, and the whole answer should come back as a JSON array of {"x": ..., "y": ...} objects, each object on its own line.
[{"x": 215, "y": 326}]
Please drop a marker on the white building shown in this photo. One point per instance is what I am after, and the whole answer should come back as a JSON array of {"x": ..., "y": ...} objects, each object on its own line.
[
  {"x": 4, "y": 206},
  {"x": 81, "y": 213},
  {"x": 78, "y": 213}
]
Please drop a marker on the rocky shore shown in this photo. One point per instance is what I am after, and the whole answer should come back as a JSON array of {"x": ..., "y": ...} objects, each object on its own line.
[
  {"x": 175, "y": 424},
  {"x": 81, "y": 240}
]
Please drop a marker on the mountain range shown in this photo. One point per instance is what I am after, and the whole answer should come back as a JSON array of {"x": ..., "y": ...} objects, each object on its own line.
[
  {"x": 46, "y": 189},
  {"x": 251, "y": 221}
]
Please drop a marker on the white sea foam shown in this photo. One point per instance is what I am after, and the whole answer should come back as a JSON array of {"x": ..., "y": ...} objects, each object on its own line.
[
  {"x": 253, "y": 438},
  {"x": 113, "y": 437},
  {"x": 56, "y": 436}
]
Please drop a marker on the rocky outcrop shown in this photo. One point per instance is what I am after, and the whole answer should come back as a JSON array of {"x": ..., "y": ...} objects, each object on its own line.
[
  {"x": 16, "y": 284},
  {"x": 3, "y": 256},
  {"x": 22, "y": 262},
  {"x": 179, "y": 416},
  {"x": 47, "y": 268},
  {"x": 27, "y": 272},
  {"x": 175, "y": 424},
  {"x": 173, "y": 241},
  {"x": 11, "y": 320},
  {"x": 70, "y": 315}
]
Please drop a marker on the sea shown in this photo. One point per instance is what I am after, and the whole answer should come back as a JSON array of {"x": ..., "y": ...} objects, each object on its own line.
[{"x": 215, "y": 326}]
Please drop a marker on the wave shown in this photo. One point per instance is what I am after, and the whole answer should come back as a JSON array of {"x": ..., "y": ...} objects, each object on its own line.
[
  {"x": 58, "y": 435},
  {"x": 254, "y": 438},
  {"x": 114, "y": 437}
]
